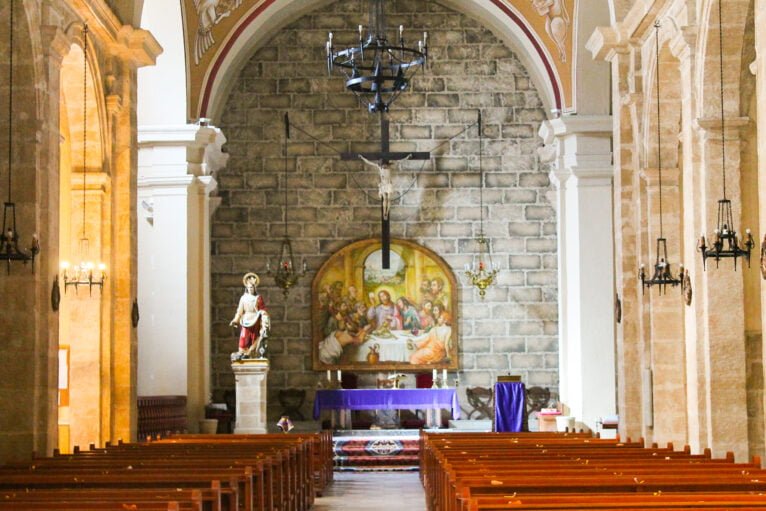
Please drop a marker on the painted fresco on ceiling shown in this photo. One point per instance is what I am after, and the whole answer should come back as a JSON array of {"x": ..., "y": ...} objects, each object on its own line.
[{"x": 212, "y": 27}]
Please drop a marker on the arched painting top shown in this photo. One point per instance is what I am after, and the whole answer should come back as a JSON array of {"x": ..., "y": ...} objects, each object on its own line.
[{"x": 220, "y": 36}]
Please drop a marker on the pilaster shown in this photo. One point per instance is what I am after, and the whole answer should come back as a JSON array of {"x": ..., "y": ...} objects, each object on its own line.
[
  {"x": 720, "y": 294},
  {"x": 177, "y": 165},
  {"x": 583, "y": 154},
  {"x": 666, "y": 352},
  {"x": 759, "y": 69}
]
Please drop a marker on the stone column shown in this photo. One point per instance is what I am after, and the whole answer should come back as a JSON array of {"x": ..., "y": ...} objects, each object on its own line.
[
  {"x": 722, "y": 333},
  {"x": 683, "y": 47},
  {"x": 666, "y": 354},
  {"x": 629, "y": 344},
  {"x": 582, "y": 150},
  {"x": 250, "y": 378},
  {"x": 759, "y": 69},
  {"x": 176, "y": 168}
]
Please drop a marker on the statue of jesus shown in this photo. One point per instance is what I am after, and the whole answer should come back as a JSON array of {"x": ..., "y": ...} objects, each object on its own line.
[{"x": 385, "y": 187}]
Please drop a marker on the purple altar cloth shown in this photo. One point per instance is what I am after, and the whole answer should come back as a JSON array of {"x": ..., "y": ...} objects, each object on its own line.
[
  {"x": 386, "y": 399},
  {"x": 509, "y": 407}
]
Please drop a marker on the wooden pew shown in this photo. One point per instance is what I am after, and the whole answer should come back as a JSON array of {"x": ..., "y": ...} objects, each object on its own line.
[
  {"x": 517, "y": 471},
  {"x": 232, "y": 472},
  {"x": 103, "y": 499}
]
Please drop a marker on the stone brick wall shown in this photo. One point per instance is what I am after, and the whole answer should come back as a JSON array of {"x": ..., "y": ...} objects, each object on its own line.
[{"x": 332, "y": 203}]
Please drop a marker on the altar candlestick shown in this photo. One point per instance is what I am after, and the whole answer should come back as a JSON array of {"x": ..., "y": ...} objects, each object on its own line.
[
  {"x": 329, "y": 378},
  {"x": 444, "y": 377}
]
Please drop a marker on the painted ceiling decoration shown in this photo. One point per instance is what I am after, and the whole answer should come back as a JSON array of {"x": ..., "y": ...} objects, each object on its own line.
[{"x": 215, "y": 30}]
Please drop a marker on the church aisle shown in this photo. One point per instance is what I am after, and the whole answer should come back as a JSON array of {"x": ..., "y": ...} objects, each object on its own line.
[{"x": 373, "y": 491}]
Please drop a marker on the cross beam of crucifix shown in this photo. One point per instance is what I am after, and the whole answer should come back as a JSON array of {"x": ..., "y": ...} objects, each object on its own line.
[{"x": 385, "y": 156}]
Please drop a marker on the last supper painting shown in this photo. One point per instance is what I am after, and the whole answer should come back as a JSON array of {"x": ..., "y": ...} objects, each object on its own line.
[{"x": 365, "y": 317}]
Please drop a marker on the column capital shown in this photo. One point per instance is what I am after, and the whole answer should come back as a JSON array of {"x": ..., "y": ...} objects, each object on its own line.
[
  {"x": 606, "y": 42},
  {"x": 94, "y": 181},
  {"x": 169, "y": 185},
  {"x": 113, "y": 104},
  {"x": 205, "y": 155},
  {"x": 55, "y": 43},
  {"x": 209, "y": 184},
  {"x": 250, "y": 366},
  {"x": 581, "y": 124},
  {"x": 580, "y": 146},
  {"x": 593, "y": 176},
  {"x": 711, "y": 126},
  {"x": 683, "y": 42},
  {"x": 559, "y": 178},
  {"x": 670, "y": 177},
  {"x": 187, "y": 149}
]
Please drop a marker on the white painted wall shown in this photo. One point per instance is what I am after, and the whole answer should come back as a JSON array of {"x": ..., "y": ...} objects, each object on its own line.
[
  {"x": 176, "y": 164},
  {"x": 162, "y": 88}
]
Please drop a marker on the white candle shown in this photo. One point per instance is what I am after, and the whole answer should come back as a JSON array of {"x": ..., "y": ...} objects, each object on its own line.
[
  {"x": 433, "y": 377},
  {"x": 444, "y": 377},
  {"x": 338, "y": 374},
  {"x": 329, "y": 378}
]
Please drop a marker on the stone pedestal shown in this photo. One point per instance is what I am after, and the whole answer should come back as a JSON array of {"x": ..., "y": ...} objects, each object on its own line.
[{"x": 250, "y": 377}]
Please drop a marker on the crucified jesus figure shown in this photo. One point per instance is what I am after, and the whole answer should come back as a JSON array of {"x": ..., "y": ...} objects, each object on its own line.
[{"x": 385, "y": 187}]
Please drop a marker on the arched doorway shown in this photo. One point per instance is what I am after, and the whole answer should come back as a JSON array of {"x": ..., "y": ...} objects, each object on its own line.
[{"x": 83, "y": 198}]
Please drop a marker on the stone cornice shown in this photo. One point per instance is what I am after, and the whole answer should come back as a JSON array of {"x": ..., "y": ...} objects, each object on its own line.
[
  {"x": 576, "y": 124},
  {"x": 605, "y": 42},
  {"x": 177, "y": 182},
  {"x": 202, "y": 143},
  {"x": 55, "y": 42},
  {"x": 99, "y": 15},
  {"x": 136, "y": 46},
  {"x": 592, "y": 175},
  {"x": 167, "y": 135},
  {"x": 94, "y": 181}
]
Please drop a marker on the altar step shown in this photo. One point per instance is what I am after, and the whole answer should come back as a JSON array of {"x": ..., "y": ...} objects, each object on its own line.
[{"x": 376, "y": 450}]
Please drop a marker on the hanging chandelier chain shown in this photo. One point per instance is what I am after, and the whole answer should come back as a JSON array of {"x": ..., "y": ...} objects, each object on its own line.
[
  {"x": 720, "y": 64},
  {"x": 481, "y": 178},
  {"x": 284, "y": 154},
  {"x": 659, "y": 117},
  {"x": 84, "y": 123},
  {"x": 10, "y": 102}
]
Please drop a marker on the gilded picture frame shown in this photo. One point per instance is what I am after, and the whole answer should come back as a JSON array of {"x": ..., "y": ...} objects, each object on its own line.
[{"x": 403, "y": 319}]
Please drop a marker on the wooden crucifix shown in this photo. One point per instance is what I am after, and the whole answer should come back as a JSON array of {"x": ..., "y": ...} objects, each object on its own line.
[{"x": 385, "y": 157}]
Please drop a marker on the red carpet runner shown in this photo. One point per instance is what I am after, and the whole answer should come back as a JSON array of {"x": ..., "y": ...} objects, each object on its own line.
[{"x": 376, "y": 452}]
